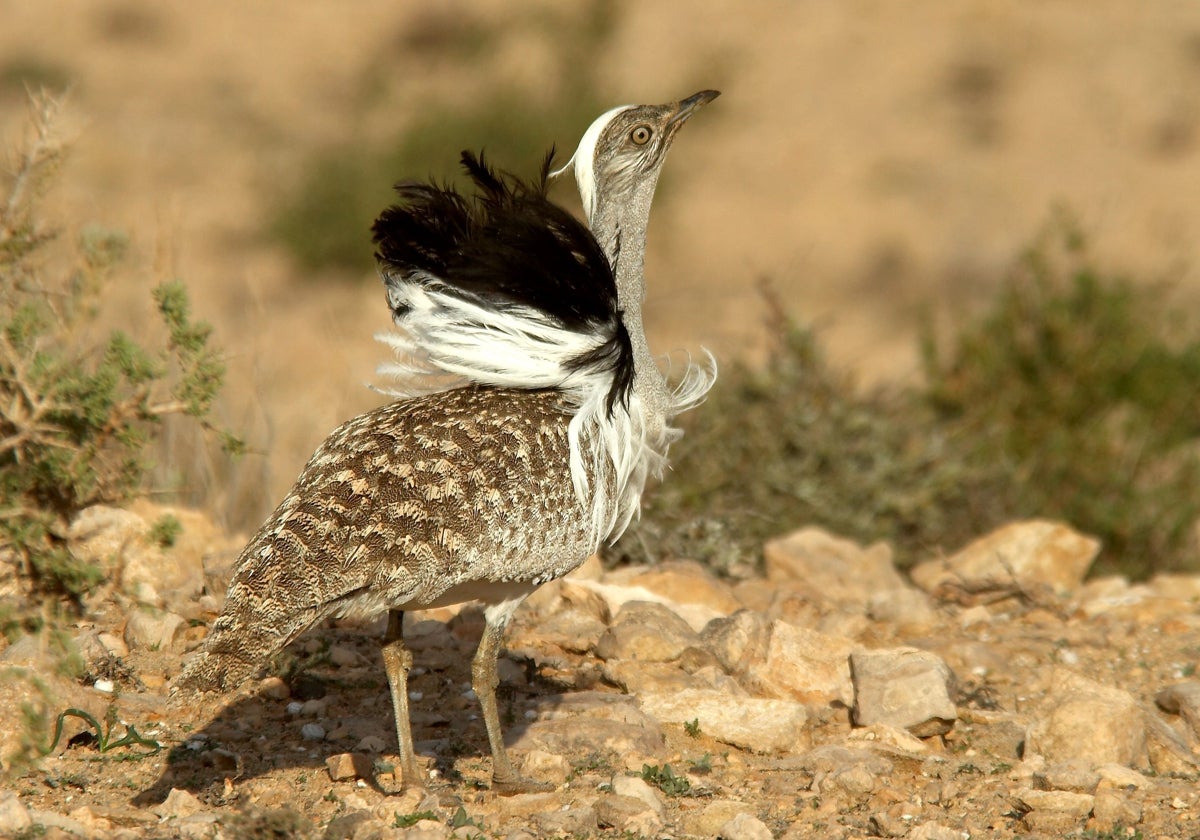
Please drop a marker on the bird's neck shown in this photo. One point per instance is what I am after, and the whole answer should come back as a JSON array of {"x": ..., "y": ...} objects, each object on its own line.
[{"x": 620, "y": 228}]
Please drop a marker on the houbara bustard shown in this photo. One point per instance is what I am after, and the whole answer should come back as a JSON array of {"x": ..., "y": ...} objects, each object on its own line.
[{"x": 484, "y": 490}]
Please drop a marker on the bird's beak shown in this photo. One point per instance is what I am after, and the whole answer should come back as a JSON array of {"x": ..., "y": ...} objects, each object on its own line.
[{"x": 686, "y": 107}]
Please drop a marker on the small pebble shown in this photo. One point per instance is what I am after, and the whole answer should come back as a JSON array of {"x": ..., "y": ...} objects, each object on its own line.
[
  {"x": 105, "y": 686},
  {"x": 312, "y": 732},
  {"x": 294, "y": 707}
]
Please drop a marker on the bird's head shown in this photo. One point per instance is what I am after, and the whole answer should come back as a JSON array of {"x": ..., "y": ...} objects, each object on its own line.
[{"x": 626, "y": 147}]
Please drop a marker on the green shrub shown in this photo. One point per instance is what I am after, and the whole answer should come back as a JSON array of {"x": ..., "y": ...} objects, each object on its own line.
[
  {"x": 1085, "y": 388},
  {"x": 77, "y": 419}
]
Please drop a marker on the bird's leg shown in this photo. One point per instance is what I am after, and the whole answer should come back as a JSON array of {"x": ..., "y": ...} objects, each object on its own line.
[
  {"x": 484, "y": 680},
  {"x": 397, "y": 662}
]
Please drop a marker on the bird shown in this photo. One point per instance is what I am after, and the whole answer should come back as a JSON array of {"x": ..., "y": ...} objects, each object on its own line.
[{"x": 529, "y": 418}]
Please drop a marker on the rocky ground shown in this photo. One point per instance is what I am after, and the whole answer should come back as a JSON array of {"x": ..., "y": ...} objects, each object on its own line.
[{"x": 993, "y": 693}]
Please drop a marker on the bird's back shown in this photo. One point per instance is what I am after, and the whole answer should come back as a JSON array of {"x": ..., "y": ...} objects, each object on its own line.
[{"x": 457, "y": 495}]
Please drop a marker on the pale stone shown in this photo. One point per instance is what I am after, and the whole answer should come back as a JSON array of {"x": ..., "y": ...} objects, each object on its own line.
[
  {"x": 908, "y": 609},
  {"x": 885, "y": 736},
  {"x": 1088, "y": 721},
  {"x": 344, "y": 657},
  {"x": 755, "y": 724},
  {"x": 154, "y": 630},
  {"x": 937, "y": 831},
  {"x": 1062, "y": 801},
  {"x": 688, "y": 582},
  {"x": 804, "y": 665},
  {"x": 738, "y": 640},
  {"x": 639, "y": 678},
  {"x": 566, "y": 822},
  {"x": 709, "y": 820},
  {"x": 646, "y": 632},
  {"x": 14, "y": 815},
  {"x": 114, "y": 644},
  {"x": 628, "y": 815},
  {"x": 345, "y": 766},
  {"x": 1120, "y": 776},
  {"x": 1168, "y": 753},
  {"x": 580, "y": 735},
  {"x": 1031, "y": 558},
  {"x": 1075, "y": 776},
  {"x": 745, "y": 827},
  {"x": 903, "y": 687},
  {"x": 371, "y": 744},
  {"x": 639, "y": 789},
  {"x": 616, "y": 596},
  {"x": 548, "y": 766},
  {"x": 117, "y": 541},
  {"x": 853, "y": 771},
  {"x": 835, "y": 569},
  {"x": 1113, "y": 808},
  {"x": 179, "y": 803},
  {"x": 572, "y": 629},
  {"x": 55, "y": 823},
  {"x": 1172, "y": 585},
  {"x": 1182, "y": 699}
]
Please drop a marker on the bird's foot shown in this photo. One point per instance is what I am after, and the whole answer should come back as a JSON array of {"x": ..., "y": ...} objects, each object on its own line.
[{"x": 513, "y": 785}]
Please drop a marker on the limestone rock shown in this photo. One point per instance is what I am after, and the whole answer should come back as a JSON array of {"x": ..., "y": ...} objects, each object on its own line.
[
  {"x": 805, "y": 665},
  {"x": 851, "y": 771},
  {"x": 1062, "y": 801},
  {"x": 908, "y": 609},
  {"x": 937, "y": 831},
  {"x": 903, "y": 687},
  {"x": 887, "y": 738},
  {"x": 582, "y": 735},
  {"x": 738, "y": 640},
  {"x": 688, "y": 582},
  {"x": 1183, "y": 699},
  {"x": 755, "y": 724},
  {"x": 832, "y": 568},
  {"x": 745, "y": 827},
  {"x": 1168, "y": 753},
  {"x": 639, "y": 789},
  {"x": 345, "y": 766},
  {"x": 1034, "y": 557},
  {"x": 546, "y": 766},
  {"x": 1088, "y": 721},
  {"x": 1113, "y": 808},
  {"x": 14, "y": 816},
  {"x": 154, "y": 630},
  {"x": 647, "y": 632},
  {"x": 572, "y": 629},
  {"x": 709, "y": 820},
  {"x": 1075, "y": 776},
  {"x": 179, "y": 803},
  {"x": 628, "y": 815},
  {"x": 566, "y": 822},
  {"x": 117, "y": 541}
]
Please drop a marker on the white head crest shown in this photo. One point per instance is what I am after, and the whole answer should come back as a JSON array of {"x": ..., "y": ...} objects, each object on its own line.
[{"x": 584, "y": 159}]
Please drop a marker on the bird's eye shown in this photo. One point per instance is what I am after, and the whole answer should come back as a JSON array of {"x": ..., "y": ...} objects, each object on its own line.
[{"x": 641, "y": 135}]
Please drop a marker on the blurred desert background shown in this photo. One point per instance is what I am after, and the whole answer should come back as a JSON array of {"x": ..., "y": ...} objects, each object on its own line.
[{"x": 877, "y": 162}]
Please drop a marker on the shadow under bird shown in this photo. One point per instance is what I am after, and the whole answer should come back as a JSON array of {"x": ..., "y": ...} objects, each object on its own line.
[{"x": 533, "y": 418}]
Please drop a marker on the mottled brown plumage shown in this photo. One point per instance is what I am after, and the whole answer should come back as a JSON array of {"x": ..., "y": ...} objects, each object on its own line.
[
  {"x": 436, "y": 500},
  {"x": 404, "y": 506}
]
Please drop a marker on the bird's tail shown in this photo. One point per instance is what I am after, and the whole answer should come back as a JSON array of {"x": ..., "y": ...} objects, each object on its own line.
[
  {"x": 239, "y": 646},
  {"x": 226, "y": 660}
]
